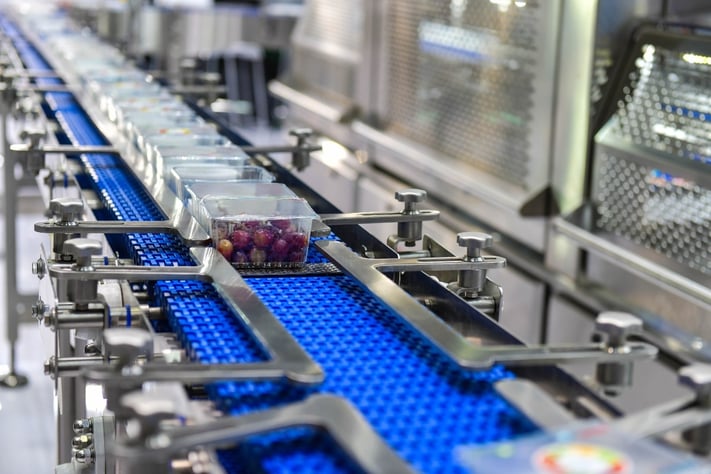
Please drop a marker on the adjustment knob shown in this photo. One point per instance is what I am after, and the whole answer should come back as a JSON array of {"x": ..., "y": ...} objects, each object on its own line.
[
  {"x": 618, "y": 326},
  {"x": 410, "y": 197},
  {"x": 698, "y": 378},
  {"x": 128, "y": 344},
  {"x": 148, "y": 409},
  {"x": 34, "y": 137},
  {"x": 474, "y": 242},
  {"x": 301, "y": 133},
  {"x": 82, "y": 249},
  {"x": 66, "y": 209}
]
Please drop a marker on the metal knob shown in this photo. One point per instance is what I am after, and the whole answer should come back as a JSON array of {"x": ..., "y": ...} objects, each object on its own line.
[
  {"x": 301, "y": 134},
  {"x": 618, "y": 326},
  {"x": 301, "y": 155},
  {"x": 128, "y": 344},
  {"x": 148, "y": 409},
  {"x": 474, "y": 242},
  {"x": 66, "y": 209},
  {"x": 82, "y": 249},
  {"x": 83, "y": 426},
  {"x": 34, "y": 137},
  {"x": 410, "y": 197},
  {"x": 698, "y": 378}
]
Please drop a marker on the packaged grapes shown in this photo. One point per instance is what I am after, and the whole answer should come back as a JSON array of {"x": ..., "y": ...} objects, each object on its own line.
[{"x": 264, "y": 232}]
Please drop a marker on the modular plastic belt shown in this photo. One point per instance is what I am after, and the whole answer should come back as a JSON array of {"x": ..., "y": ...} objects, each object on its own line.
[{"x": 418, "y": 401}]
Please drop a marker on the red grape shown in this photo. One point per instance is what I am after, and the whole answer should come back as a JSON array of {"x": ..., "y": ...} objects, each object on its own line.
[
  {"x": 263, "y": 237},
  {"x": 241, "y": 239},
  {"x": 279, "y": 250},
  {"x": 225, "y": 247}
]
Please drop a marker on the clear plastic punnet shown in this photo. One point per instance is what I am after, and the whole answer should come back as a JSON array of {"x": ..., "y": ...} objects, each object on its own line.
[
  {"x": 183, "y": 176},
  {"x": 156, "y": 143},
  {"x": 167, "y": 158},
  {"x": 195, "y": 193},
  {"x": 264, "y": 232}
]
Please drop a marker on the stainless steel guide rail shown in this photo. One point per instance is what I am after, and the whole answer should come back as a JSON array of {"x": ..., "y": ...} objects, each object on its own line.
[
  {"x": 369, "y": 272},
  {"x": 341, "y": 420},
  {"x": 287, "y": 358}
]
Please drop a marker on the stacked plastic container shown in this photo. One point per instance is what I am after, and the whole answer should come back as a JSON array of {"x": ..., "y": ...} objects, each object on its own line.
[{"x": 261, "y": 224}]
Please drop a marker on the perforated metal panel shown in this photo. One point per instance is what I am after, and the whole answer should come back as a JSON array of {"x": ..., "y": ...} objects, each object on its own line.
[
  {"x": 667, "y": 105},
  {"x": 653, "y": 160},
  {"x": 655, "y": 210},
  {"x": 463, "y": 79}
]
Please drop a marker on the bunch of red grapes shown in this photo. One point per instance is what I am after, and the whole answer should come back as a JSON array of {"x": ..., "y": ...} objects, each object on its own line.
[{"x": 276, "y": 242}]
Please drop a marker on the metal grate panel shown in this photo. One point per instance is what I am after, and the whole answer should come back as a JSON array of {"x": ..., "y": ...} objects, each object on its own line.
[
  {"x": 653, "y": 159},
  {"x": 462, "y": 80},
  {"x": 655, "y": 210},
  {"x": 666, "y": 105}
]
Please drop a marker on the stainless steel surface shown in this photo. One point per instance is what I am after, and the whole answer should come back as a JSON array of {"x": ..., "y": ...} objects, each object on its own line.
[
  {"x": 376, "y": 217},
  {"x": 287, "y": 359},
  {"x": 632, "y": 262},
  {"x": 536, "y": 404},
  {"x": 335, "y": 415},
  {"x": 451, "y": 343}
]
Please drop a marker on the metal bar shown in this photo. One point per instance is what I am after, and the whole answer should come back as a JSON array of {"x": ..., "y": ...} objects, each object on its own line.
[
  {"x": 337, "y": 416},
  {"x": 453, "y": 344},
  {"x": 64, "y": 149},
  {"x": 632, "y": 262},
  {"x": 253, "y": 150},
  {"x": 376, "y": 217}
]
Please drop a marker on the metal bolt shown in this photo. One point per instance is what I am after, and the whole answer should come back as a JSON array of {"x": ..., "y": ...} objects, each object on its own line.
[
  {"x": 39, "y": 268},
  {"x": 39, "y": 309},
  {"x": 84, "y": 456},
  {"x": 49, "y": 366},
  {"x": 92, "y": 348},
  {"x": 82, "y": 441},
  {"x": 83, "y": 426},
  {"x": 474, "y": 242}
]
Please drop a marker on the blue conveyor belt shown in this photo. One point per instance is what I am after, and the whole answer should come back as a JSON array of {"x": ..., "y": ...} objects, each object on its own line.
[{"x": 418, "y": 401}]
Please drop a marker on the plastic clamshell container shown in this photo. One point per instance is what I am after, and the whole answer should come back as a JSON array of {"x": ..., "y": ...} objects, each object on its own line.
[
  {"x": 183, "y": 176},
  {"x": 136, "y": 125},
  {"x": 185, "y": 143},
  {"x": 219, "y": 156},
  {"x": 194, "y": 194},
  {"x": 262, "y": 232},
  {"x": 162, "y": 129}
]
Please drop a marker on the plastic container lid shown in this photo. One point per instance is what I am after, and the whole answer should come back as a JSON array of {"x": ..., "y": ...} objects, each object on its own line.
[
  {"x": 183, "y": 176},
  {"x": 195, "y": 193},
  {"x": 219, "y": 156}
]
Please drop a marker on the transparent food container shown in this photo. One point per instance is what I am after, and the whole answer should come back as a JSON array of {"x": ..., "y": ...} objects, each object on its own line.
[
  {"x": 195, "y": 193},
  {"x": 262, "y": 232},
  {"x": 183, "y": 176},
  {"x": 170, "y": 158}
]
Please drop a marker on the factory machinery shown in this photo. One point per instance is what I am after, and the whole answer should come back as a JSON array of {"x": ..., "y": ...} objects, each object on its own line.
[{"x": 179, "y": 347}]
